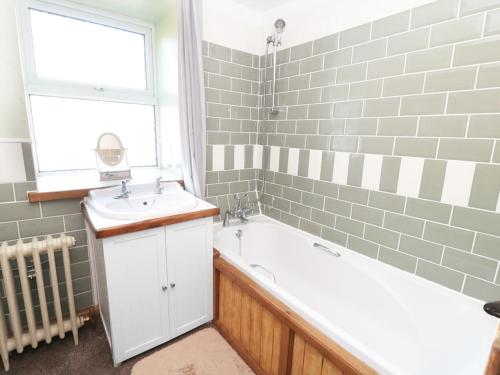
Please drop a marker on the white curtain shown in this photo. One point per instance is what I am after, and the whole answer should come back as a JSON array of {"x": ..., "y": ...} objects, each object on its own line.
[{"x": 192, "y": 95}]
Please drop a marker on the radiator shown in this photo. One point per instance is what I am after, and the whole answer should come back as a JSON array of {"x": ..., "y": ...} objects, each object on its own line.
[{"x": 20, "y": 336}]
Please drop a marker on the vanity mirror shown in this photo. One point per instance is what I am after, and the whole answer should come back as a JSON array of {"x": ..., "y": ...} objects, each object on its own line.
[{"x": 111, "y": 158}]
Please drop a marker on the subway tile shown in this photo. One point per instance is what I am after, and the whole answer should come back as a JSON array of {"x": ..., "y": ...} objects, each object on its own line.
[
  {"x": 465, "y": 149},
  {"x": 8, "y": 231},
  {"x": 304, "y": 163},
  {"x": 410, "y": 176},
  {"x": 430, "y": 104},
  {"x": 204, "y": 48},
  {"x": 323, "y": 218},
  {"x": 353, "y": 194},
  {"x": 386, "y": 201},
  {"x": 6, "y": 193},
  {"x": 281, "y": 204},
  {"x": 327, "y": 189},
  {"x": 219, "y": 52},
  {"x": 334, "y": 236},
  {"x": 397, "y": 259},
  {"x": 369, "y": 51},
  {"x": 361, "y": 126},
  {"x": 29, "y": 165},
  {"x": 417, "y": 147},
  {"x": 307, "y": 127},
  {"x": 349, "y": 226},
  {"x": 283, "y": 56},
  {"x": 441, "y": 275},
  {"x": 338, "y": 58},
  {"x": 219, "y": 82},
  {"x": 449, "y": 236},
  {"x": 323, "y": 78},
  {"x": 290, "y": 69},
  {"x": 481, "y": 289},
  {"x": 382, "y": 236},
  {"x": 38, "y": 227},
  {"x": 397, "y": 126},
  {"x": 421, "y": 249},
  {"x": 470, "y": 264},
  {"x": 457, "y": 31},
  {"x": 229, "y": 157},
  {"x": 292, "y": 194},
  {"x": 242, "y": 58},
  {"x": 404, "y": 224},
  {"x": 352, "y": 73},
  {"x": 372, "y": 170},
  {"x": 390, "y": 66},
  {"x": 355, "y": 169},
  {"x": 228, "y": 176},
  {"x": 404, "y": 85},
  {"x": 218, "y": 189},
  {"x": 326, "y": 44},
  {"x": 431, "y": 186},
  {"x": 301, "y": 51},
  {"x": 290, "y": 219},
  {"x": 442, "y": 126},
  {"x": 309, "y": 96},
  {"x": 230, "y": 70},
  {"x": 485, "y": 187},
  {"x": 300, "y": 210},
  {"x": 487, "y": 246},
  {"x": 297, "y": 112},
  {"x": 394, "y": 24},
  {"x": 334, "y": 93},
  {"x": 297, "y": 141},
  {"x": 338, "y": 207},
  {"x": 288, "y": 98},
  {"x": 484, "y": 126},
  {"x": 434, "y": 12},
  {"x": 451, "y": 80},
  {"x": 299, "y": 82},
  {"x": 211, "y": 65},
  {"x": 390, "y": 174},
  {"x": 492, "y": 26},
  {"x": 363, "y": 247},
  {"x": 381, "y": 107},
  {"x": 431, "y": 59},
  {"x": 366, "y": 89},
  {"x": 74, "y": 222},
  {"x": 310, "y": 227},
  {"x": 347, "y": 109},
  {"x": 19, "y": 211},
  {"x": 218, "y": 110},
  {"x": 318, "y": 142},
  {"x": 212, "y": 95},
  {"x": 477, "y": 52},
  {"x": 478, "y": 101},
  {"x": 458, "y": 182},
  {"x": 367, "y": 214},
  {"x": 312, "y": 64},
  {"x": 408, "y": 42},
  {"x": 331, "y": 127},
  {"x": 313, "y": 200},
  {"x": 474, "y": 6},
  {"x": 229, "y": 97},
  {"x": 355, "y": 35},
  {"x": 320, "y": 111},
  {"x": 428, "y": 210},
  {"x": 376, "y": 145},
  {"x": 488, "y": 76},
  {"x": 496, "y": 153}
]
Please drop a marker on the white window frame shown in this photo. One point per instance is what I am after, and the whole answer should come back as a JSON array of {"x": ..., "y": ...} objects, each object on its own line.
[{"x": 34, "y": 85}]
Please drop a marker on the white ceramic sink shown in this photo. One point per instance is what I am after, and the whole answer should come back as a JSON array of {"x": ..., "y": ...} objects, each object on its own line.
[{"x": 142, "y": 201}]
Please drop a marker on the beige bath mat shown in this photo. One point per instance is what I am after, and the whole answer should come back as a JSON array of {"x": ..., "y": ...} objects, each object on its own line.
[{"x": 203, "y": 353}]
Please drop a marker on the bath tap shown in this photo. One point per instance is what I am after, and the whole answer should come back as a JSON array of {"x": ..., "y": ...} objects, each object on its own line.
[
  {"x": 158, "y": 187},
  {"x": 125, "y": 193},
  {"x": 241, "y": 210}
]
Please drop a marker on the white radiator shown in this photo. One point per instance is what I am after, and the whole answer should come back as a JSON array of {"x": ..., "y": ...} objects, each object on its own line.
[{"x": 34, "y": 334}]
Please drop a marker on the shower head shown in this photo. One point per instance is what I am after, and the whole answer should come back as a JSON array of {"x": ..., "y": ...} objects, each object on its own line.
[{"x": 279, "y": 25}]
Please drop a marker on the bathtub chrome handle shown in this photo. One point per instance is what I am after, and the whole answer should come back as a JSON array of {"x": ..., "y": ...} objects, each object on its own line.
[
  {"x": 265, "y": 269},
  {"x": 326, "y": 249}
]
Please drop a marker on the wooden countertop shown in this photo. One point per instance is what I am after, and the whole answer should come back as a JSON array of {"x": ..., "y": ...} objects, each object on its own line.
[{"x": 135, "y": 226}]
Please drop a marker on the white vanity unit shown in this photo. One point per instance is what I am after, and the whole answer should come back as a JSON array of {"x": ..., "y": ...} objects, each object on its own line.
[{"x": 152, "y": 275}]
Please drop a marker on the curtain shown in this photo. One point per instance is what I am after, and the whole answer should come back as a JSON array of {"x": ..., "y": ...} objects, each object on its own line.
[{"x": 192, "y": 95}]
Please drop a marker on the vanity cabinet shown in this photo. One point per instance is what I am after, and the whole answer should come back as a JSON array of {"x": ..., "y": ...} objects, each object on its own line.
[{"x": 153, "y": 285}]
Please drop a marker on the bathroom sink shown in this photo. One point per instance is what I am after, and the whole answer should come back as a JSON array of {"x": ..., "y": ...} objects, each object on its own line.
[{"x": 142, "y": 202}]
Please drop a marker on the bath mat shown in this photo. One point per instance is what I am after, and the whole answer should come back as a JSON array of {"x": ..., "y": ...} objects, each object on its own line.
[{"x": 202, "y": 353}]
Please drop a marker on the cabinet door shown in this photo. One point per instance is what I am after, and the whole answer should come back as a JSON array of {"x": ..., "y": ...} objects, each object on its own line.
[
  {"x": 138, "y": 297},
  {"x": 189, "y": 270}
]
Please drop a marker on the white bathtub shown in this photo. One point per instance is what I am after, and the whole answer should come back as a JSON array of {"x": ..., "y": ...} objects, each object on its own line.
[{"x": 395, "y": 322}]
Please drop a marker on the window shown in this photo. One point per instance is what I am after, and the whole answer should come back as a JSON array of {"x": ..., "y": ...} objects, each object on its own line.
[{"x": 86, "y": 74}]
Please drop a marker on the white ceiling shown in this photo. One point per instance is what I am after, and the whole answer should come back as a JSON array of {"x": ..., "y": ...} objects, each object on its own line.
[{"x": 262, "y": 5}]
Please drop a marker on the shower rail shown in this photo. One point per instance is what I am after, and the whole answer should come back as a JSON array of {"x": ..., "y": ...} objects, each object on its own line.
[{"x": 33, "y": 335}]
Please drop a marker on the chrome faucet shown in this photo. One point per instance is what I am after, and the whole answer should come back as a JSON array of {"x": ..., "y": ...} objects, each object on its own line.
[
  {"x": 158, "y": 187},
  {"x": 125, "y": 192},
  {"x": 240, "y": 211}
]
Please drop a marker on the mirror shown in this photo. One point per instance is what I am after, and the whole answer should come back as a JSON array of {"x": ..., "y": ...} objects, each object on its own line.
[{"x": 110, "y": 149}]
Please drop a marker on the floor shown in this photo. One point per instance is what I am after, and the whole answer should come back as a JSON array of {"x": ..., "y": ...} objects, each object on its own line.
[{"x": 91, "y": 356}]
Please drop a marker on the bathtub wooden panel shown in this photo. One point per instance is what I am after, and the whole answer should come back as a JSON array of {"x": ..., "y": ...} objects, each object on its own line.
[{"x": 270, "y": 337}]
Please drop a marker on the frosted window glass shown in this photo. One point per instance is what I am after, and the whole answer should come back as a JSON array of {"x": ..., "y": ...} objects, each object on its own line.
[
  {"x": 68, "y": 49},
  {"x": 66, "y": 131}
]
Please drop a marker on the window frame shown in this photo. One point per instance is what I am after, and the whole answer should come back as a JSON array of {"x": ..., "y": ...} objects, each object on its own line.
[{"x": 34, "y": 85}]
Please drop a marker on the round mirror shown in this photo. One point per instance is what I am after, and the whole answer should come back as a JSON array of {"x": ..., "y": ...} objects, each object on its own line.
[{"x": 110, "y": 149}]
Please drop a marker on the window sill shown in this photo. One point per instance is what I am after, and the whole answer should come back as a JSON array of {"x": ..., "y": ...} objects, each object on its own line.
[{"x": 77, "y": 184}]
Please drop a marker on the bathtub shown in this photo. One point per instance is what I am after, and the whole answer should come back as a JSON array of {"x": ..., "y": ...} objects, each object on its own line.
[{"x": 393, "y": 321}]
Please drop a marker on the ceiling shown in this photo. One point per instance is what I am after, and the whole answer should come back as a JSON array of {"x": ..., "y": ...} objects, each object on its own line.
[
  {"x": 261, "y": 5},
  {"x": 146, "y": 10}
]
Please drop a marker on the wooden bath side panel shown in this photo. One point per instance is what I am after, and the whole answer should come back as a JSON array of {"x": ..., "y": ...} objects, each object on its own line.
[
  {"x": 307, "y": 360},
  {"x": 254, "y": 329}
]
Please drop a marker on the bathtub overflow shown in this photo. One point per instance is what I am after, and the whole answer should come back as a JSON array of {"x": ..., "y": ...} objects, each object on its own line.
[{"x": 239, "y": 233}]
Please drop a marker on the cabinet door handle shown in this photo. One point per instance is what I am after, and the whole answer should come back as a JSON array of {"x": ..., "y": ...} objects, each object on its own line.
[
  {"x": 172, "y": 285},
  {"x": 164, "y": 287}
]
